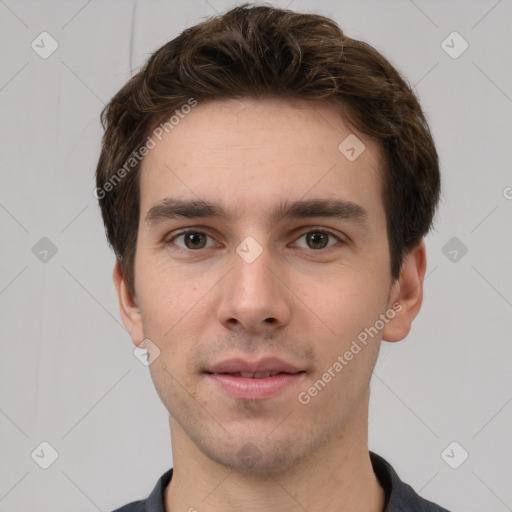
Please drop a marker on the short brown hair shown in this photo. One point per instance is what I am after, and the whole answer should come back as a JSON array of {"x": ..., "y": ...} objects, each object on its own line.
[{"x": 258, "y": 52}]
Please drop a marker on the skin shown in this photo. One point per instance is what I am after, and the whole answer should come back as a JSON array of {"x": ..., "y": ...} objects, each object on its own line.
[{"x": 200, "y": 306}]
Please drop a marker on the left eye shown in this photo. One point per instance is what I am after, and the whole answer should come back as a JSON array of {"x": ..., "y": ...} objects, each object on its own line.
[{"x": 319, "y": 239}]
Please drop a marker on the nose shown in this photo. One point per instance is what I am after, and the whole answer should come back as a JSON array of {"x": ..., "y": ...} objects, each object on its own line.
[{"x": 254, "y": 296}]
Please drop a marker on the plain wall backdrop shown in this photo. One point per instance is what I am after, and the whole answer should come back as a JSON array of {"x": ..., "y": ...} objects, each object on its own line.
[{"x": 68, "y": 374}]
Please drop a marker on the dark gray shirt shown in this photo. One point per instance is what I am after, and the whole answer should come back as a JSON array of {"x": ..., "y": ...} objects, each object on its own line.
[{"x": 400, "y": 497}]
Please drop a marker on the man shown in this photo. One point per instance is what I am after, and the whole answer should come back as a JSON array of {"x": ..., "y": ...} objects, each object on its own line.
[{"x": 266, "y": 183}]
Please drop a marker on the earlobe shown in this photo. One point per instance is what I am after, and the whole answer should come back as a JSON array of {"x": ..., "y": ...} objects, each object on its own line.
[
  {"x": 407, "y": 291},
  {"x": 130, "y": 313}
]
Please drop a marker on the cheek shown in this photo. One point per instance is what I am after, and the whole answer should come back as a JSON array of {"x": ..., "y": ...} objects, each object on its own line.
[
  {"x": 172, "y": 310},
  {"x": 348, "y": 308},
  {"x": 345, "y": 301},
  {"x": 161, "y": 293},
  {"x": 346, "y": 352}
]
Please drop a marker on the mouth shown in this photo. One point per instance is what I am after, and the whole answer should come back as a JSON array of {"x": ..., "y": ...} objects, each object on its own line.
[
  {"x": 253, "y": 380},
  {"x": 251, "y": 375}
]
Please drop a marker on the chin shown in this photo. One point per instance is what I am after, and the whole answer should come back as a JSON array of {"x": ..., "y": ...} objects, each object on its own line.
[{"x": 256, "y": 457}]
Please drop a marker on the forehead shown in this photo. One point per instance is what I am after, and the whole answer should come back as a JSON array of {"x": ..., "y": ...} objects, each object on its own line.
[{"x": 249, "y": 154}]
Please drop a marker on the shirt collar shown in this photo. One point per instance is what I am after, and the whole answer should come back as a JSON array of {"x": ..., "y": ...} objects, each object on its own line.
[{"x": 399, "y": 495}]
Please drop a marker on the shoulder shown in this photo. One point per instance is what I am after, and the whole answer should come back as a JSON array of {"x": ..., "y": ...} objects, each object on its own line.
[
  {"x": 135, "y": 506},
  {"x": 154, "y": 502},
  {"x": 400, "y": 497}
]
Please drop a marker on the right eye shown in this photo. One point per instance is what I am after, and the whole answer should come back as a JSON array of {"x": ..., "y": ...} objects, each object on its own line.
[{"x": 192, "y": 240}]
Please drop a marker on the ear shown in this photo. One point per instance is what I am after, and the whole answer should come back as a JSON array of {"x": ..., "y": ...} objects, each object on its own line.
[
  {"x": 130, "y": 313},
  {"x": 406, "y": 294}
]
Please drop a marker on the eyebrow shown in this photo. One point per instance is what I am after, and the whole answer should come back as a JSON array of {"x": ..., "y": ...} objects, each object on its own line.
[{"x": 170, "y": 208}]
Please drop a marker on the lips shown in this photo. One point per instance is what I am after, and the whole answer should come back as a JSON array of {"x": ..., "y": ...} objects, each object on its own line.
[
  {"x": 254, "y": 369},
  {"x": 251, "y": 375},
  {"x": 253, "y": 380}
]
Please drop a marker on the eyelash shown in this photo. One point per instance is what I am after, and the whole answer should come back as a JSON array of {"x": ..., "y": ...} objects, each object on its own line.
[{"x": 171, "y": 240}]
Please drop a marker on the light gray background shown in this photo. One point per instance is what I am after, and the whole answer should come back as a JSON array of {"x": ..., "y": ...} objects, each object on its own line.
[{"x": 68, "y": 374}]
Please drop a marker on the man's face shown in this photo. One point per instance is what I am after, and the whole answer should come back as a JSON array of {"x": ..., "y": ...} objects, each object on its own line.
[{"x": 258, "y": 291}]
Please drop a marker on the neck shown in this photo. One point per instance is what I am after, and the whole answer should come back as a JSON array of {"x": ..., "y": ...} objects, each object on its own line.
[{"x": 337, "y": 477}]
